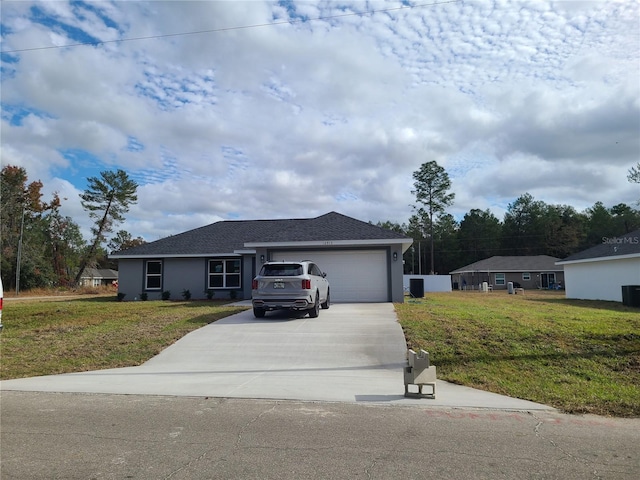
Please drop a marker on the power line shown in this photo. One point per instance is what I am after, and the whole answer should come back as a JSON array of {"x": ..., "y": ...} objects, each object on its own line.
[{"x": 227, "y": 29}]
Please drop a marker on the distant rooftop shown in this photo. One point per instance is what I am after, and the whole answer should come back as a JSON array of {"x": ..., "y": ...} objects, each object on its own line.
[
  {"x": 531, "y": 263},
  {"x": 611, "y": 247}
]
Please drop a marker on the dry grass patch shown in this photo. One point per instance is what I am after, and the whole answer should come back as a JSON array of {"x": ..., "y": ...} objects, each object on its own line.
[
  {"x": 579, "y": 356},
  {"x": 62, "y": 292}
]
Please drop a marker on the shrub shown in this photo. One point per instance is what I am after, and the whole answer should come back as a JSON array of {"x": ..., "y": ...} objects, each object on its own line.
[
  {"x": 210, "y": 294},
  {"x": 186, "y": 294},
  {"x": 121, "y": 296},
  {"x": 233, "y": 294},
  {"x": 166, "y": 295},
  {"x": 144, "y": 297}
]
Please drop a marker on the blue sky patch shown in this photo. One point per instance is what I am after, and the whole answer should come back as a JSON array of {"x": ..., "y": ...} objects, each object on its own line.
[
  {"x": 15, "y": 114},
  {"x": 74, "y": 33},
  {"x": 346, "y": 197},
  {"x": 236, "y": 160},
  {"x": 134, "y": 145},
  {"x": 9, "y": 58},
  {"x": 290, "y": 7},
  {"x": 171, "y": 91},
  {"x": 83, "y": 165},
  {"x": 78, "y": 6},
  {"x": 169, "y": 171},
  {"x": 9, "y": 64}
]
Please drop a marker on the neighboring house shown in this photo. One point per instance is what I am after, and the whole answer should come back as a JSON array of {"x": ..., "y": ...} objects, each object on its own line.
[
  {"x": 94, "y": 277},
  {"x": 599, "y": 272},
  {"x": 363, "y": 262},
  {"x": 536, "y": 271}
]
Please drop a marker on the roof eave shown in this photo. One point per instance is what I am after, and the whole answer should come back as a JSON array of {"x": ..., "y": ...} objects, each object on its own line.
[
  {"x": 237, "y": 253},
  {"x": 502, "y": 270},
  {"x": 331, "y": 243},
  {"x": 599, "y": 259}
]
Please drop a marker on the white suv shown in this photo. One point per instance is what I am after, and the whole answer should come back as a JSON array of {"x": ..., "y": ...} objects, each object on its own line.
[{"x": 290, "y": 285}]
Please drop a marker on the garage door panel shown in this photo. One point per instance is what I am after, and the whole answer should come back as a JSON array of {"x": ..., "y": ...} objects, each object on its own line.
[{"x": 354, "y": 275}]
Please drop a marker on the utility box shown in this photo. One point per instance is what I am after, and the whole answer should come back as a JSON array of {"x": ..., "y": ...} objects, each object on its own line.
[
  {"x": 631, "y": 295},
  {"x": 416, "y": 287},
  {"x": 419, "y": 373}
]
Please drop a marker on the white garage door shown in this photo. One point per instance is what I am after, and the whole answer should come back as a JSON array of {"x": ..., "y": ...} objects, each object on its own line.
[{"x": 354, "y": 275}]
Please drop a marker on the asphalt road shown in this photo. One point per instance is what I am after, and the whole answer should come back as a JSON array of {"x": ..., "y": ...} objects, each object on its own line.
[
  {"x": 107, "y": 436},
  {"x": 291, "y": 398}
]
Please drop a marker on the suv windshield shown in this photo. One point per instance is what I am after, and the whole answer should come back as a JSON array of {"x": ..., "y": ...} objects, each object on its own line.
[{"x": 282, "y": 270}]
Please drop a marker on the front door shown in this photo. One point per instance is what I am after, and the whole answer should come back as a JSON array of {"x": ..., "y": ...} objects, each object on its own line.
[{"x": 548, "y": 279}]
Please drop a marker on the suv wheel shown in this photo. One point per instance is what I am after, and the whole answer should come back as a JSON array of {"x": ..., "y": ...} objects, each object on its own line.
[
  {"x": 327, "y": 302},
  {"x": 258, "y": 312},
  {"x": 315, "y": 310}
]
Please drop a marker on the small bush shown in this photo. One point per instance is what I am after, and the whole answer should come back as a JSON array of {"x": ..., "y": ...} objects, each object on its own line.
[
  {"x": 166, "y": 295},
  {"x": 186, "y": 294},
  {"x": 144, "y": 297},
  {"x": 121, "y": 296},
  {"x": 233, "y": 294},
  {"x": 210, "y": 294}
]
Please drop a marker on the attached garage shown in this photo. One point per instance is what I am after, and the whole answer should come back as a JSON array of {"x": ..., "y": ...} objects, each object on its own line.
[{"x": 354, "y": 275}]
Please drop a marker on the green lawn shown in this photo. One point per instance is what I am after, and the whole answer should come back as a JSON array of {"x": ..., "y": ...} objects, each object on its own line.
[
  {"x": 578, "y": 356},
  {"x": 61, "y": 336}
]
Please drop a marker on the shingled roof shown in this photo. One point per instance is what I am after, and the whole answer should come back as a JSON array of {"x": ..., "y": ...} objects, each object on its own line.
[
  {"x": 622, "y": 246},
  {"x": 229, "y": 236},
  {"x": 533, "y": 263},
  {"x": 104, "y": 273}
]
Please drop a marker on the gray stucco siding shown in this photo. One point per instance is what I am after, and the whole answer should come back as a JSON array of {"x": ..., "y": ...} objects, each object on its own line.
[
  {"x": 130, "y": 277},
  {"x": 178, "y": 275},
  {"x": 396, "y": 272},
  {"x": 247, "y": 275}
]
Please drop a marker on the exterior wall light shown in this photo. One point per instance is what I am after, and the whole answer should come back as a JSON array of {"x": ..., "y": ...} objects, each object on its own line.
[{"x": 395, "y": 256}]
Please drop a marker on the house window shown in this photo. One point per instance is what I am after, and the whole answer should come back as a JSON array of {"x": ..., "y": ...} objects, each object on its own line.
[
  {"x": 153, "y": 275},
  {"x": 499, "y": 278},
  {"x": 526, "y": 276},
  {"x": 224, "y": 273}
]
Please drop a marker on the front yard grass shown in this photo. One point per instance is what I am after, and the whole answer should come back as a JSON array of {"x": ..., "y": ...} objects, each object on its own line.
[
  {"x": 578, "y": 356},
  {"x": 57, "y": 335}
]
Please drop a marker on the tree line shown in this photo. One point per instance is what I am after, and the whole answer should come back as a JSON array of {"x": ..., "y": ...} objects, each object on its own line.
[
  {"x": 43, "y": 248},
  {"x": 529, "y": 227}
]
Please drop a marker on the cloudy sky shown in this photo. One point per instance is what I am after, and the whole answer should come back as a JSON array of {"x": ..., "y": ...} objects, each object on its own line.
[{"x": 253, "y": 109}]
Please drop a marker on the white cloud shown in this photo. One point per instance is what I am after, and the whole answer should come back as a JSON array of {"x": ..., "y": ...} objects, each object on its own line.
[{"x": 298, "y": 119}]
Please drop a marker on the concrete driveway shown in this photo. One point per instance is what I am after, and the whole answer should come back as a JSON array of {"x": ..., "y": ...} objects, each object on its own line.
[{"x": 350, "y": 353}]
